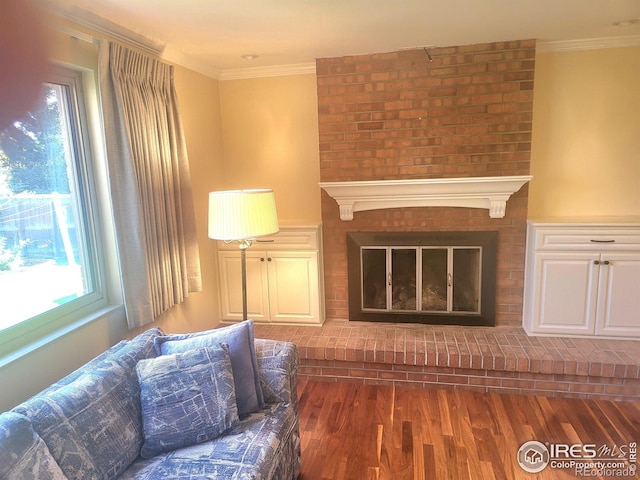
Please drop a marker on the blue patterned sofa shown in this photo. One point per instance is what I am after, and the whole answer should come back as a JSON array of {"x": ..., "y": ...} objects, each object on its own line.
[{"x": 93, "y": 424}]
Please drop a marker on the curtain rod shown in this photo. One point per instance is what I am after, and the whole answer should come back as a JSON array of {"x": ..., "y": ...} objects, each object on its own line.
[{"x": 78, "y": 35}]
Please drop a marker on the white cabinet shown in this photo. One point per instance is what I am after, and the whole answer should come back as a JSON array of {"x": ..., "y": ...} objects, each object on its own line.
[
  {"x": 582, "y": 279},
  {"x": 619, "y": 295},
  {"x": 284, "y": 278}
]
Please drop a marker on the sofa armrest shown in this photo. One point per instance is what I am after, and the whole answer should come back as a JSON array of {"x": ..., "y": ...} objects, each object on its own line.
[{"x": 278, "y": 364}]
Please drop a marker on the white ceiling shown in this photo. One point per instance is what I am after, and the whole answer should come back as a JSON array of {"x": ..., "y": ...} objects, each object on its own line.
[{"x": 213, "y": 35}]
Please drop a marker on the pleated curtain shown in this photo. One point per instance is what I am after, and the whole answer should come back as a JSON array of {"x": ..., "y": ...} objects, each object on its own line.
[{"x": 149, "y": 182}]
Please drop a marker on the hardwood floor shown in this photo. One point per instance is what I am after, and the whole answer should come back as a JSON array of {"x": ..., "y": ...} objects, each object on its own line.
[{"x": 355, "y": 431}]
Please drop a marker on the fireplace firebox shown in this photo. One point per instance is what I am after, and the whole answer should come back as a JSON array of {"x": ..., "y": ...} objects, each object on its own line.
[{"x": 422, "y": 277}]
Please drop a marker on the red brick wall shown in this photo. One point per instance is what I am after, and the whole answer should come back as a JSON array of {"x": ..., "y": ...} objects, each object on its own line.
[{"x": 466, "y": 113}]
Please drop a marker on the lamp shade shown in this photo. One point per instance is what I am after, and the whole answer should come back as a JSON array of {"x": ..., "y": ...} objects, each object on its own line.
[{"x": 242, "y": 214}]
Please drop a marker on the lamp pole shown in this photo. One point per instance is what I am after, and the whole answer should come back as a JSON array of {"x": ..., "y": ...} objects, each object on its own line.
[{"x": 244, "y": 244}]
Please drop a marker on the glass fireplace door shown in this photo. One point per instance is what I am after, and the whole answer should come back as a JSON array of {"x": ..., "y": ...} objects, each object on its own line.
[
  {"x": 374, "y": 278},
  {"x": 466, "y": 280},
  {"x": 404, "y": 279},
  {"x": 451, "y": 279},
  {"x": 426, "y": 279},
  {"x": 435, "y": 285}
]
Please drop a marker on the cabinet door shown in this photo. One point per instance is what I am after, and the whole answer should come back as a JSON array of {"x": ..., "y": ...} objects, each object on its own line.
[
  {"x": 565, "y": 293},
  {"x": 619, "y": 295},
  {"x": 293, "y": 287},
  {"x": 230, "y": 273}
]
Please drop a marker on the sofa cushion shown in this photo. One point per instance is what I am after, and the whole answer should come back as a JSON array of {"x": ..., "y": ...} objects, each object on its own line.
[
  {"x": 23, "y": 454},
  {"x": 264, "y": 445},
  {"x": 115, "y": 352},
  {"x": 186, "y": 398},
  {"x": 278, "y": 364},
  {"x": 93, "y": 425},
  {"x": 240, "y": 339}
]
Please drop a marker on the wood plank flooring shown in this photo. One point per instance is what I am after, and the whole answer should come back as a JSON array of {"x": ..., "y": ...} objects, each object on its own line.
[{"x": 354, "y": 431}]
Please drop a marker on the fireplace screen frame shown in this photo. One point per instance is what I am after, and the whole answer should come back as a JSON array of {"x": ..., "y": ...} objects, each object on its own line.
[{"x": 484, "y": 241}]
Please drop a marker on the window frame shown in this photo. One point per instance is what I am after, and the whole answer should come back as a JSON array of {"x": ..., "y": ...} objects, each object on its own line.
[{"x": 43, "y": 327}]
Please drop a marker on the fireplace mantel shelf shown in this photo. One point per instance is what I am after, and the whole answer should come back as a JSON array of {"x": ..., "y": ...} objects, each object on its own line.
[{"x": 491, "y": 193}]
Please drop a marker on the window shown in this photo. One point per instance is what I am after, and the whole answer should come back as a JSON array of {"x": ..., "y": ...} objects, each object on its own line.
[{"x": 51, "y": 272}]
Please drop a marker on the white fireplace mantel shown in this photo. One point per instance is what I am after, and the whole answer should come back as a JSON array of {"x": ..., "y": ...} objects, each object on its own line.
[{"x": 491, "y": 193}]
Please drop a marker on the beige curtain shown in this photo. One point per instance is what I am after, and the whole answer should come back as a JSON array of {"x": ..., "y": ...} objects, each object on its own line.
[{"x": 150, "y": 184}]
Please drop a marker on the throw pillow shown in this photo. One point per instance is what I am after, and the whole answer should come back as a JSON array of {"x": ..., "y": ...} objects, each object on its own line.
[
  {"x": 244, "y": 363},
  {"x": 186, "y": 398},
  {"x": 23, "y": 454}
]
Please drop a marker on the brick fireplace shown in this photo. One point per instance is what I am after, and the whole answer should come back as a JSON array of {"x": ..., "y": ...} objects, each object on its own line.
[
  {"x": 464, "y": 112},
  {"x": 467, "y": 114}
]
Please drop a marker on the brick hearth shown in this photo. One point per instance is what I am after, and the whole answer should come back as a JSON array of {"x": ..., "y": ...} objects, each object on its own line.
[{"x": 499, "y": 359}]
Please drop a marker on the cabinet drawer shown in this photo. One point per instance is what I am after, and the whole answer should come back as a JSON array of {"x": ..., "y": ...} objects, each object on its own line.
[
  {"x": 289, "y": 238},
  {"x": 587, "y": 239}
]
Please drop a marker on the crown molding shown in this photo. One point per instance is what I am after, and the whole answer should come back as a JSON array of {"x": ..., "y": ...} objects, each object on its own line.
[
  {"x": 105, "y": 28},
  {"x": 271, "y": 71},
  {"x": 178, "y": 57},
  {"x": 95, "y": 23},
  {"x": 588, "y": 44}
]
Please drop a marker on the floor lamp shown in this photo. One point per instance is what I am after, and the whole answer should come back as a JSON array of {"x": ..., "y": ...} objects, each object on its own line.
[{"x": 242, "y": 216}]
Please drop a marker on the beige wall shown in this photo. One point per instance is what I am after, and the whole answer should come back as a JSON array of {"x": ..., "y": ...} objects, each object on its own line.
[
  {"x": 270, "y": 132},
  {"x": 245, "y": 134},
  {"x": 586, "y": 134}
]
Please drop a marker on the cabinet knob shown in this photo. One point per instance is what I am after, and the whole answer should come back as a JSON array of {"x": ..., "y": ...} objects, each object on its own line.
[
  {"x": 262, "y": 259},
  {"x": 605, "y": 262},
  {"x": 268, "y": 259}
]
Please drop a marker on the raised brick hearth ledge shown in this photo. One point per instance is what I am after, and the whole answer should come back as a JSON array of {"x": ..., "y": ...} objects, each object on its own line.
[{"x": 484, "y": 359}]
